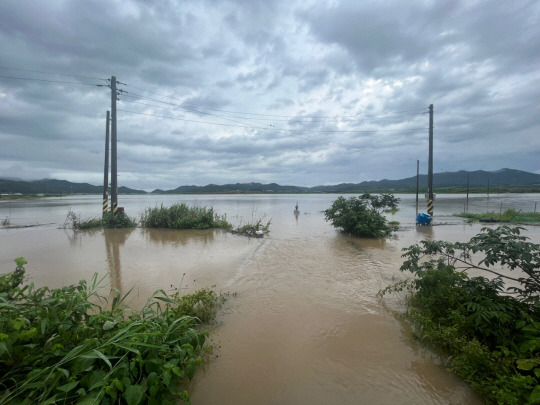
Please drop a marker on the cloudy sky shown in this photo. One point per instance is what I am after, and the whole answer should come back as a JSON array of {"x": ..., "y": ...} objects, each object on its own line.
[{"x": 293, "y": 92}]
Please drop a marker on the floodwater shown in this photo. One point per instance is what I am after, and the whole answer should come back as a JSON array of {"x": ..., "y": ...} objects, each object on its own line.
[{"x": 305, "y": 325}]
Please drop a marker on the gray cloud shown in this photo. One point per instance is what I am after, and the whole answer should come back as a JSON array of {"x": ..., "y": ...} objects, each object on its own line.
[{"x": 288, "y": 92}]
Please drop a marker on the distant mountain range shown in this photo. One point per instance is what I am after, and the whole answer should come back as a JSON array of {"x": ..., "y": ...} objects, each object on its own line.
[
  {"x": 446, "y": 181},
  {"x": 52, "y": 186},
  {"x": 506, "y": 178}
]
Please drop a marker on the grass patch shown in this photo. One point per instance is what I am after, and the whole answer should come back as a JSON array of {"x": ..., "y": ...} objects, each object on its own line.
[
  {"x": 71, "y": 345},
  {"x": 509, "y": 216},
  {"x": 182, "y": 216}
]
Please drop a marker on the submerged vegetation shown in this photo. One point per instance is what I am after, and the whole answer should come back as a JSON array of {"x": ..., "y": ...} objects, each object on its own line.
[
  {"x": 69, "y": 345},
  {"x": 256, "y": 227},
  {"x": 363, "y": 215},
  {"x": 488, "y": 330},
  {"x": 177, "y": 216},
  {"x": 510, "y": 215},
  {"x": 182, "y": 216},
  {"x": 109, "y": 220}
]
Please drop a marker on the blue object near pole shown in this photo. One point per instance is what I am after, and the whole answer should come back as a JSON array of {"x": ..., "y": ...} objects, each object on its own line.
[{"x": 423, "y": 219}]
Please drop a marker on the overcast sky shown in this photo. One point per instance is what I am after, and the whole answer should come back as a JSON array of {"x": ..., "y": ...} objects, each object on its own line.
[{"x": 293, "y": 92}]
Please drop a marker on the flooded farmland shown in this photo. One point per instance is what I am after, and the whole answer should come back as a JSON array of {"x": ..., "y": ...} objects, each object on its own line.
[{"x": 305, "y": 325}]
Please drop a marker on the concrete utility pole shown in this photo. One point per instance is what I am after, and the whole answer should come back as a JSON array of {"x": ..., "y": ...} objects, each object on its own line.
[
  {"x": 430, "y": 163},
  {"x": 417, "y": 183},
  {"x": 467, "y": 210},
  {"x": 106, "y": 167},
  {"x": 114, "y": 167}
]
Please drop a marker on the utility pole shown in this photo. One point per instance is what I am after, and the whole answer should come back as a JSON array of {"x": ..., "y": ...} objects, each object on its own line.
[
  {"x": 467, "y": 192},
  {"x": 417, "y": 183},
  {"x": 430, "y": 163},
  {"x": 106, "y": 166},
  {"x": 114, "y": 167}
]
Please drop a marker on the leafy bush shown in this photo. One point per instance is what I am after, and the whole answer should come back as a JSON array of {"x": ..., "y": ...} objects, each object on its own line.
[
  {"x": 490, "y": 332},
  {"x": 182, "y": 216},
  {"x": 59, "y": 346},
  {"x": 363, "y": 216}
]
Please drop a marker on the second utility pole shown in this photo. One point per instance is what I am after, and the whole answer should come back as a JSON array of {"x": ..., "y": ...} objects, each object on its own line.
[
  {"x": 106, "y": 166},
  {"x": 430, "y": 163},
  {"x": 114, "y": 167}
]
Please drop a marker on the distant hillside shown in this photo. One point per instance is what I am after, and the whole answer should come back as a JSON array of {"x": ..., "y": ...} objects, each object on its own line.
[
  {"x": 507, "y": 178},
  {"x": 449, "y": 181},
  {"x": 52, "y": 186},
  {"x": 235, "y": 188}
]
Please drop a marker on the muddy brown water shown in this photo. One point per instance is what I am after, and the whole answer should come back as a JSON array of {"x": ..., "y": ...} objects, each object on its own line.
[{"x": 305, "y": 325}]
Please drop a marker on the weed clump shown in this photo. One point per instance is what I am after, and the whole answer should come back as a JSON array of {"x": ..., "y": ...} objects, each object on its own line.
[{"x": 182, "y": 216}]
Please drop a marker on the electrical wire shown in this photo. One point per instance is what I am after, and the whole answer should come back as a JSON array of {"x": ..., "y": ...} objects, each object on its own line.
[
  {"x": 273, "y": 128},
  {"x": 52, "y": 73},
  {"x": 296, "y": 119},
  {"x": 418, "y": 110},
  {"x": 47, "y": 80}
]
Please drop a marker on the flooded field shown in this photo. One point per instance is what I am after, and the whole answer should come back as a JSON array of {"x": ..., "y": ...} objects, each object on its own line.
[{"x": 305, "y": 326}]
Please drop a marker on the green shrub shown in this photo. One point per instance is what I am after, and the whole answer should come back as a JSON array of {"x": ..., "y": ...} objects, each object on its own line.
[
  {"x": 59, "y": 346},
  {"x": 182, "y": 216},
  {"x": 491, "y": 337},
  {"x": 363, "y": 216}
]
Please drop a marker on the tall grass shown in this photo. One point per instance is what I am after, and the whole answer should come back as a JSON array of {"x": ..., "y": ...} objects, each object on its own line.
[
  {"x": 71, "y": 345},
  {"x": 509, "y": 215},
  {"x": 182, "y": 216}
]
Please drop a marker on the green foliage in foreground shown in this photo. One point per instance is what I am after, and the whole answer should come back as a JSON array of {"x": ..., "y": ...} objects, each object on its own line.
[
  {"x": 490, "y": 332},
  {"x": 182, "y": 216},
  {"x": 363, "y": 216},
  {"x": 59, "y": 346},
  {"x": 507, "y": 216}
]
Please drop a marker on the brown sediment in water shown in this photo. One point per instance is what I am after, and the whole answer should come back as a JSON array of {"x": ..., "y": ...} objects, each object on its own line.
[{"x": 306, "y": 325}]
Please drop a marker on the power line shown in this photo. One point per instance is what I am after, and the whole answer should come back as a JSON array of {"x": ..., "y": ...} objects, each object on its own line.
[
  {"x": 296, "y": 119},
  {"x": 47, "y": 80},
  {"x": 52, "y": 73},
  {"x": 191, "y": 110},
  {"x": 273, "y": 128},
  {"x": 419, "y": 110}
]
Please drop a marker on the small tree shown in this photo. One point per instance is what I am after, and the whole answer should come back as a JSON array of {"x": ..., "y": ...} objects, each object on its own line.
[{"x": 363, "y": 216}]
